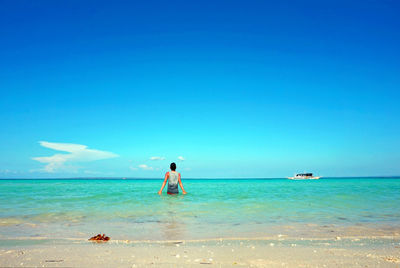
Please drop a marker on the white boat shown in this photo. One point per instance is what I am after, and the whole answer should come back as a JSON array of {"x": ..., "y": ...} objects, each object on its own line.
[{"x": 304, "y": 176}]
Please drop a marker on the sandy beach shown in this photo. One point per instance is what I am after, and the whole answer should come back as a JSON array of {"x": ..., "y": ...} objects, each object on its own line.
[{"x": 347, "y": 252}]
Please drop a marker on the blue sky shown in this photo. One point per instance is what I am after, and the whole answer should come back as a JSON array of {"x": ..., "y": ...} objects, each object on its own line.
[{"x": 223, "y": 88}]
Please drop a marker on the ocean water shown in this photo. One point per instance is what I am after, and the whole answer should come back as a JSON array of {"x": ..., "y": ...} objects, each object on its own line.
[{"x": 132, "y": 209}]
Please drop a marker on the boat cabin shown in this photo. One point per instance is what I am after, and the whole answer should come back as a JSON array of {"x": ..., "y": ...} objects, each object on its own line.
[{"x": 304, "y": 175}]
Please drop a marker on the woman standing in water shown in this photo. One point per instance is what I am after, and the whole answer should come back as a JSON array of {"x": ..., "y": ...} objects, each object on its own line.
[{"x": 173, "y": 178}]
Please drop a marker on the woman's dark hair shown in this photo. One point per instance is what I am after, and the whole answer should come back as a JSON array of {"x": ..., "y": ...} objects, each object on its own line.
[{"x": 173, "y": 166}]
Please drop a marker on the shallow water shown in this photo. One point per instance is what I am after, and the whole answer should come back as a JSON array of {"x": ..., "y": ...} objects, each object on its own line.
[{"x": 131, "y": 209}]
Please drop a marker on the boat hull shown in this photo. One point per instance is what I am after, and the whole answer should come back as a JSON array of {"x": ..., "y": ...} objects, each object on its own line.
[{"x": 303, "y": 179}]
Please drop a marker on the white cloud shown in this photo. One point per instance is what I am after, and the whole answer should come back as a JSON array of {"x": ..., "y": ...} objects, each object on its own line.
[
  {"x": 145, "y": 167},
  {"x": 157, "y": 158},
  {"x": 76, "y": 153},
  {"x": 181, "y": 158},
  {"x": 133, "y": 168}
]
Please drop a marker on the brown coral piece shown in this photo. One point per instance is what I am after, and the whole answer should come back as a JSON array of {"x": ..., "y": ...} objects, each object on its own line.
[{"x": 99, "y": 238}]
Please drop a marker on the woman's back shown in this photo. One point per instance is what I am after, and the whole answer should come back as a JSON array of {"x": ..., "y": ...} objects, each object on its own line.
[{"x": 173, "y": 182}]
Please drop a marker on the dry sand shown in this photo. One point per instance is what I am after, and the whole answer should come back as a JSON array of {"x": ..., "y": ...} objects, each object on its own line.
[{"x": 279, "y": 252}]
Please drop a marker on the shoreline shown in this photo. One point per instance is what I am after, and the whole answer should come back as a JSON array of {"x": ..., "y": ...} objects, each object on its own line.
[
  {"x": 279, "y": 237},
  {"x": 161, "y": 232}
]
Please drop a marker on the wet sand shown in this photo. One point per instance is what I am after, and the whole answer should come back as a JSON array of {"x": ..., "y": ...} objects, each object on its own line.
[{"x": 278, "y": 252}]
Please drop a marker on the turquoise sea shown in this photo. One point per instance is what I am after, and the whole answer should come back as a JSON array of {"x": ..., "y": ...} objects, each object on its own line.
[{"x": 213, "y": 208}]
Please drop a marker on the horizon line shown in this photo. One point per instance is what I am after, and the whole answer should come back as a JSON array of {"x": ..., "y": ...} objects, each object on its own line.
[{"x": 226, "y": 178}]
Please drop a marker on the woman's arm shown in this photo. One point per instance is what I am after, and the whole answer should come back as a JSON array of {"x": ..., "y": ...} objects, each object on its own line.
[
  {"x": 163, "y": 185},
  {"x": 180, "y": 184}
]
